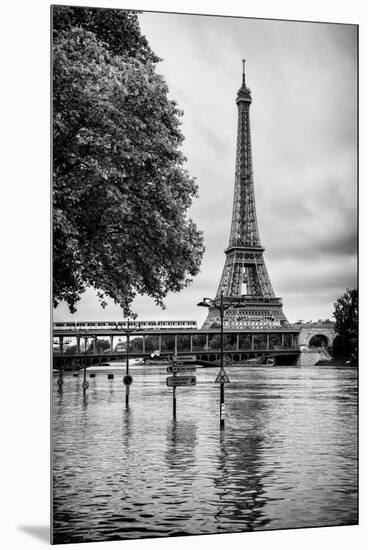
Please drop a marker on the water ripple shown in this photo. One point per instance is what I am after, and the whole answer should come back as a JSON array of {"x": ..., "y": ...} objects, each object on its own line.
[{"x": 287, "y": 458}]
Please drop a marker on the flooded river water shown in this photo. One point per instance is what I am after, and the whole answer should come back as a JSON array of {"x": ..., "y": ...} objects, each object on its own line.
[{"x": 287, "y": 458}]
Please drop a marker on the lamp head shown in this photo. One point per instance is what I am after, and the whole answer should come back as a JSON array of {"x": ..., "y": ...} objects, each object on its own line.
[{"x": 206, "y": 302}]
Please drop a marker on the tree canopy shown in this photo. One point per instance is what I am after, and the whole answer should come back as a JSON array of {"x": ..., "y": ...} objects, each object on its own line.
[
  {"x": 120, "y": 188},
  {"x": 346, "y": 327}
]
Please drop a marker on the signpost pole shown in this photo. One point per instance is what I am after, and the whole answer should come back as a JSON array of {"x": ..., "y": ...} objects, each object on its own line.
[
  {"x": 174, "y": 380},
  {"x": 85, "y": 383},
  {"x": 127, "y": 368},
  {"x": 84, "y": 378},
  {"x": 174, "y": 396},
  {"x": 61, "y": 381},
  {"x": 174, "y": 402},
  {"x": 127, "y": 397},
  {"x": 222, "y": 385}
]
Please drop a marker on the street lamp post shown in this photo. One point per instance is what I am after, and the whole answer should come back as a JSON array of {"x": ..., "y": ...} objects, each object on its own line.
[
  {"x": 222, "y": 385},
  {"x": 127, "y": 389},
  {"x": 128, "y": 378},
  {"x": 219, "y": 304},
  {"x": 60, "y": 381},
  {"x": 85, "y": 383}
]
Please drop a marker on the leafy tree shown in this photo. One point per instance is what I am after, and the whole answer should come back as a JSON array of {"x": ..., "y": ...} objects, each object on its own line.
[
  {"x": 101, "y": 346},
  {"x": 214, "y": 340},
  {"x": 70, "y": 350},
  {"x": 120, "y": 189},
  {"x": 346, "y": 327},
  {"x": 136, "y": 344},
  {"x": 119, "y": 29}
]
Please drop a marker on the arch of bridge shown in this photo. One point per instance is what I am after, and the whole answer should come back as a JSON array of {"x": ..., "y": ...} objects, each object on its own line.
[{"x": 307, "y": 333}]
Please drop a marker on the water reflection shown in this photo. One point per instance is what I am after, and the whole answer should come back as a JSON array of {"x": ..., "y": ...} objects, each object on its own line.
[
  {"x": 126, "y": 432},
  {"x": 180, "y": 476},
  {"x": 237, "y": 508},
  {"x": 181, "y": 439},
  {"x": 239, "y": 481}
]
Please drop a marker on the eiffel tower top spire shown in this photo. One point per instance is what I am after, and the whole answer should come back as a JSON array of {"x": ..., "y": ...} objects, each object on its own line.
[{"x": 244, "y": 92}]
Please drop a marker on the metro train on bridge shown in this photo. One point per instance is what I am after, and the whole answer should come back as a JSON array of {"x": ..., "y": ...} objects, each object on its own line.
[{"x": 121, "y": 325}]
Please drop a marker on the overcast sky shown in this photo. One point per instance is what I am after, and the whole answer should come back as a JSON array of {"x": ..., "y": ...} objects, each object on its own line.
[{"x": 303, "y": 122}]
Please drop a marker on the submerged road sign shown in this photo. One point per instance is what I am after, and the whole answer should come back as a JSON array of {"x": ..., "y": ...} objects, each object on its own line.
[
  {"x": 128, "y": 379},
  {"x": 173, "y": 381},
  {"x": 185, "y": 358},
  {"x": 222, "y": 377},
  {"x": 181, "y": 368}
]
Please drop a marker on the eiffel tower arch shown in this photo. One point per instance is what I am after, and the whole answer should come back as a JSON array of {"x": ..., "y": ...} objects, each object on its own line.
[{"x": 245, "y": 281}]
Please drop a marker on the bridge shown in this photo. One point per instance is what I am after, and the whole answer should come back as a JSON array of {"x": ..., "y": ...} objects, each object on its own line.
[{"x": 291, "y": 344}]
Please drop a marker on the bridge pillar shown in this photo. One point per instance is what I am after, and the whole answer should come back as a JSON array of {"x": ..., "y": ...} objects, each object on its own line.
[
  {"x": 95, "y": 345},
  {"x": 252, "y": 342},
  {"x": 111, "y": 342},
  {"x": 191, "y": 342},
  {"x": 267, "y": 341},
  {"x": 159, "y": 342},
  {"x": 78, "y": 344},
  {"x": 237, "y": 342},
  {"x": 282, "y": 340}
]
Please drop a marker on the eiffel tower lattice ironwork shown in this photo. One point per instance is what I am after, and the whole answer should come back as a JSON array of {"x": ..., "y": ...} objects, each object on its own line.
[{"x": 245, "y": 280}]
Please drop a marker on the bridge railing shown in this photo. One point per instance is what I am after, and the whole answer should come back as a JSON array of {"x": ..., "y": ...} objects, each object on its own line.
[{"x": 145, "y": 343}]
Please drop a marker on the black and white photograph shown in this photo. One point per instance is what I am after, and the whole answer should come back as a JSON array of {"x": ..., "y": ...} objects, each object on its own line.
[{"x": 204, "y": 269}]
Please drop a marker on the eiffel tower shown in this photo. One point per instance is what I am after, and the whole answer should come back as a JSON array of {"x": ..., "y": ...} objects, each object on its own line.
[{"x": 245, "y": 282}]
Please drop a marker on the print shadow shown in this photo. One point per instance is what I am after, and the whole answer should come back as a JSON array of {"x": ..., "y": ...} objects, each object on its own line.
[{"x": 40, "y": 532}]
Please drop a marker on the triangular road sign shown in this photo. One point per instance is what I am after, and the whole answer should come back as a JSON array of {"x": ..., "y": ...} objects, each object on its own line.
[{"x": 222, "y": 377}]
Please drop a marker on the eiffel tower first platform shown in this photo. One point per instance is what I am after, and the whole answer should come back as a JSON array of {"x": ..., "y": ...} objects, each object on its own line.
[{"x": 245, "y": 282}]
